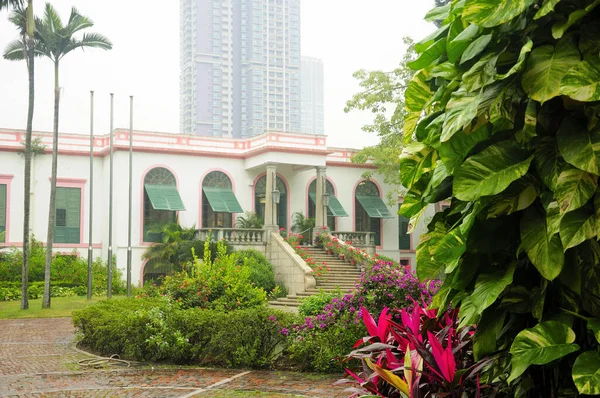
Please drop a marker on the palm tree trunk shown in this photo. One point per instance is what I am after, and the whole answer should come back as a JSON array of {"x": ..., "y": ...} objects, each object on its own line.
[
  {"x": 27, "y": 193},
  {"x": 52, "y": 211}
]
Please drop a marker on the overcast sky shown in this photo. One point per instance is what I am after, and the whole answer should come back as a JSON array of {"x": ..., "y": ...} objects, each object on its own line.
[{"x": 347, "y": 34}]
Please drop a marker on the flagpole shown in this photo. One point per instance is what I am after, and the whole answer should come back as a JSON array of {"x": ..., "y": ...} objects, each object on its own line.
[
  {"x": 130, "y": 195},
  {"x": 91, "y": 210},
  {"x": 110, "y": 202}
]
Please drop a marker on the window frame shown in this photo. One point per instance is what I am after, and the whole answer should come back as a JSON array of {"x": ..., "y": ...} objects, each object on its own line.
[{"x": 75, "y": 183}]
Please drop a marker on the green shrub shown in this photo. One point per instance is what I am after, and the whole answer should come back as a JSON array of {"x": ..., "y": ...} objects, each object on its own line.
[
  {"x": 261, "y": 269},
  {"x": 313, "y": 305},
  {"x": 159, "y": 329}
]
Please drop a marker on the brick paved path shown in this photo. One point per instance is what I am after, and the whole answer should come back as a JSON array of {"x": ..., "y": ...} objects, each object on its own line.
[{"x": 38, "y": 359}]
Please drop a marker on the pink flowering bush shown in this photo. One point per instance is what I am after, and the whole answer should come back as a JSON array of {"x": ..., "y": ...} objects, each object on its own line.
[{"x": 321, "y": 342}]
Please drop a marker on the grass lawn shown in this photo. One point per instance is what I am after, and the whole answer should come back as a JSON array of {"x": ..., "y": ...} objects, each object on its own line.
[{"x": 60, "y": 307}]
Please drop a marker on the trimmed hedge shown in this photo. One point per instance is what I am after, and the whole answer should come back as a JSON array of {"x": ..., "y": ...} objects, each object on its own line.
[{"x": 158, "y": 329}]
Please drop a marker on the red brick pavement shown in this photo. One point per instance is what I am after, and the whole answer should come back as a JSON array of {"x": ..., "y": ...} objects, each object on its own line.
[{"x": 38, "y": 359}]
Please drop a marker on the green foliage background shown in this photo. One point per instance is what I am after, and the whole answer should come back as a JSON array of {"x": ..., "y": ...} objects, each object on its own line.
[{"x": 502, "y": 117}]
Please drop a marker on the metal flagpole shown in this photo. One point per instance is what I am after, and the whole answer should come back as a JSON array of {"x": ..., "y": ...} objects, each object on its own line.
[
  {"x": 110, "y": 202},
  {"x": 130, "y": 195},
  {"x": 90, "y": 251}
]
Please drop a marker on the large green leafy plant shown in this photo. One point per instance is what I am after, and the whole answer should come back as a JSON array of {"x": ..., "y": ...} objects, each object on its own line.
[{"x": 503, "y": 119}]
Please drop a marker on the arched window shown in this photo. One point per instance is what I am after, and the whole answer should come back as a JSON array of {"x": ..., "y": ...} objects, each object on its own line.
[
  {"x": 155, "y": 269},
  {"x": 161, "y": 202},
  {"x": 211, "y": 218},
  {"x": 312, "y": 208},
  {"x": 260, "y": 199},
  {"x": 367, "y": 209}
]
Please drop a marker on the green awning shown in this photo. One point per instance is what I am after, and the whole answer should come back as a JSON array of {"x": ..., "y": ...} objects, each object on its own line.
[
  {"x": 335, "y": 207},
  {"x": 222, "y": 200},
  {"x": 164, "y": 197},
  {"x": 374, "y": 206}
]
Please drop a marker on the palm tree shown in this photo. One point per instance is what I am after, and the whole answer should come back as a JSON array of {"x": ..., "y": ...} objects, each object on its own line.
[
  {"x": 168, "y": 250},
  {"x": 249, "y": 220},
  {"x": 25, "y": 22},
  {"x": 55, "y": 40}
]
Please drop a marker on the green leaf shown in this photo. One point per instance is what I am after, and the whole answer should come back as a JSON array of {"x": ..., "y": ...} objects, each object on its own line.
[
  {"x": 547, "y": 162},
  {"x": 526, "y": 49},
  {"x": 460, "y": 111},
  {"x": 446, "y": 70},
  {"x": 490, "y": 13},
  {"x": 416, "y": 160},
  {"x": 546, "y": 68},
  {"x": 559, "y": 28},
  {"x": 413, "y": 200},
  {"x": 410, "y": 123},
  {"x": 594, "y": 325},
  {"x": 467, "y": 314},
  {"x": 597, "y": 211},
  {"x": 475, "y": 48},
  {"x": 429, "y": 40},
  {"x": 518, "y": 196},
  {"x": 546, "y": 8},
  {"x": 454, "y": 244},
  {"x": 429, "y": 56},
  {"x": 553, "y": 218},
  {"x": 417, "y": 93},
  {"x": 544, "y": 251},
  {"x": 487, "y": 333},
  {"x": 577, "y": 226},
  {"x": 574, "y": 188},
  {"x": 542, "y": 344},
  {"x": 481, "y": 74},
  {"x": 582, "y": 82},
  {"x": 586, "y": 373},
  {"x": 579, "y": 148},
  {"x": 491, "y": 171},
  {"x": 438, "y": 13},
  {"x": 457, "y": 46},
  {"x": 456, "y": 149},
  {"x": 490, "y": 285},
  {"x": 427, "y": 266}
]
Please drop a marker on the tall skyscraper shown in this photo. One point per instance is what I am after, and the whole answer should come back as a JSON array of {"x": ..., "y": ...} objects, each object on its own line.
[
  {"x": 313, "y": 106},
  {"x": 240, "y": 67}
]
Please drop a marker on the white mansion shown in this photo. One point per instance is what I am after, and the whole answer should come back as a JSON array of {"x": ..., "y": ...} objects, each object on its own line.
[{"x": 199, "y": 181}]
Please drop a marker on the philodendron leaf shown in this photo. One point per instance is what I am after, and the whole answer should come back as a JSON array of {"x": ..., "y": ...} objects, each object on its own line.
[
  {"x": 435, "y": 51},
  {"x": 559, "y": 28},
  {"x": 438, "y": 13},
  {"x": 597, "y": 211},
  {"x": 546, "y": 8},
  {"x": 456, "y": 149},
  {"x": 544, "y": 251},
  {"x": 574, "y": 188},
  {"x": 553, "y": 218},
  {"x": 578, "y": 147},
  {"x": 460, "y": 111},
  {"x": 491, "y": 171},
  {"x": 475, "y": 48},
  {"x": 582, "y": 82},
  {"x": 487, "y": 333},
  {"x": 418, "y": 92},
  {"x": 518, "y": 196},
  {"x": 542, "y": 344},
  {"x": 490, "y": 285},
  {"x": 547, "y": 162},
  {"x": 427, "y": 266},
  {"x": 416, "y": 159},
  {"x": 546, "y": 67},
  {"x": 481, "y": 74},
  {"x": 456, "y": 46},
  {"x": 577, "y": 226},
  {"x": 520, "y": 61},
  {"x": 586, "y": 373},
  {"x": 594, "y": 325},
  {"x": 490, "y": 13}
]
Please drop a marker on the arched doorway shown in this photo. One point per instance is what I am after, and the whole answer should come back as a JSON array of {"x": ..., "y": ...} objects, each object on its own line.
[{"x": 161, "y": 202}]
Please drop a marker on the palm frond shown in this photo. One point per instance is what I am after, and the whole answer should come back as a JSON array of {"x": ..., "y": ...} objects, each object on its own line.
[
  {"x": 76, "y": 23},
  {"x": 51, "y": 19},
  {"x": 19, "y": 18},
  {"x": 89, "y": 40},
  {"x": 11, "y": 3},
  {"x": 14, "y": 51}
]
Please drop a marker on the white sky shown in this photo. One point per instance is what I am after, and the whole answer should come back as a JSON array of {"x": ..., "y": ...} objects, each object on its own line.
[{"x": 347, "y": 34}]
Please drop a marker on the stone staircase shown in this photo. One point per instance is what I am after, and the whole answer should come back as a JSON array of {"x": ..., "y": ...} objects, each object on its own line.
[{"x": 342, "y": 275}]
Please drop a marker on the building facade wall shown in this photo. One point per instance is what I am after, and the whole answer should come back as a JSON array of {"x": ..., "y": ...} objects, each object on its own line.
[{"x": 189, "y": 165}]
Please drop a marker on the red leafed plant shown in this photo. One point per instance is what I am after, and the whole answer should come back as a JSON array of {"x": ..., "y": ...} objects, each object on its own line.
[{"x": 421, "y": 356}]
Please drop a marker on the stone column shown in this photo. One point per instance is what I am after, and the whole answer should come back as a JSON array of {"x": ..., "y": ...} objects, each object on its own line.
[
  {"x": 320, "y": 215},
  {"x": 270, "y": 221}
]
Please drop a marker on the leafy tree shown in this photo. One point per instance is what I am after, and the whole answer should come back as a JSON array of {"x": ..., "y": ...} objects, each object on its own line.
[
  {"x": 503, "y": 119},
  {"x": 249, "y": 220},
  {"x": 25, "y": 23},
  {"x": 55, "y": 40},
  {"x": 383, "y": 95},
  {"x": 168, "y": 250}
]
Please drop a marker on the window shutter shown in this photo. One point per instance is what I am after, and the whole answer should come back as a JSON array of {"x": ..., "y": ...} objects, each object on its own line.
[
  {"x": 2, "y": 207},
  {"x": 403, "y": 236}
]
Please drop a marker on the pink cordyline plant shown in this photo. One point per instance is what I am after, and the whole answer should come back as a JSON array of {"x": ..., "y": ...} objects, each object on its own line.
[{"x": 421, "y": 356}]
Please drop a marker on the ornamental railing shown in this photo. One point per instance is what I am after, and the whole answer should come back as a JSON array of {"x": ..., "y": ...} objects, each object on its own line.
[
  {"x": 357, "y": 239},
  {"x": 236, "y": 236}
]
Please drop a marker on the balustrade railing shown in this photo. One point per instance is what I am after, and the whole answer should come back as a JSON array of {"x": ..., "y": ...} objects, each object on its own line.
[
  {"x": 358, "y": 239},
  {"x": 240, "y": 236}
]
